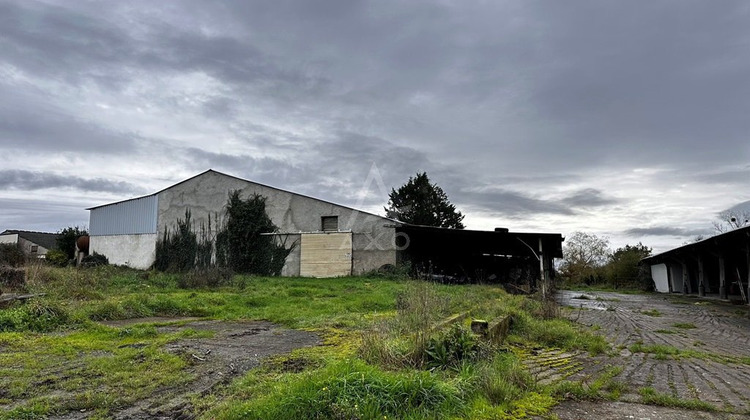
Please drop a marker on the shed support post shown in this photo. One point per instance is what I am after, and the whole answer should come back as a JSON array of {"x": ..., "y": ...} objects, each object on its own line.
[
  {"x": 747, "y": 254},
  {"x": 722, "y": 279},
  {"x": 669, "y": 277},
  {"x": 701, "y": 278},
  {"x": 685, "y": 280},
  {"x": 542, "y": 273}
]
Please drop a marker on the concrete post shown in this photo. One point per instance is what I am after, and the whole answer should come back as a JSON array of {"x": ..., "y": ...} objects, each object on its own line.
[
  {"x": 701, "y": 279},
  {"x": 722, "y": 279},
  {"x": 685, "y": 280},
  {"x": 669, "y": 277},
  {"x": 542, "y": 274}
]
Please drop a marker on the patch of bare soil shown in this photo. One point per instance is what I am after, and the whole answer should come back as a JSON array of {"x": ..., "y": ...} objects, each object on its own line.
[
  {"x": 235, "y": 348},
  {"x": 713, "y": 338}
]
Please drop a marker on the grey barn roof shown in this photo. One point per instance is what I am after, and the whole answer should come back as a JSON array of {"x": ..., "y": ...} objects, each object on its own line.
[{"x": 245, "y": 180}]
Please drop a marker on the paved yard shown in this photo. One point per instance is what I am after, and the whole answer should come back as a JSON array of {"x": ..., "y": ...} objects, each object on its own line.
[{"x": 683, "y": 347}]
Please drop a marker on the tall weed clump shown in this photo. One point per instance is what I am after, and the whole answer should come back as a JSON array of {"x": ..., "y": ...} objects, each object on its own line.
[
  {"x": 68, "y": 283},
  {"x": 176, "y": 250},
  {"x": 408, "y": 340},
  {"x": 244, "y": 243},
  {"x": 38, "y": 315}
]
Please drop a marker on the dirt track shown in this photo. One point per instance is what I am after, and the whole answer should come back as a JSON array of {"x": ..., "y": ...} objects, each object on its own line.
[
  {"x": 713, "y": 366},
  {"x": 235, "y": 348}
]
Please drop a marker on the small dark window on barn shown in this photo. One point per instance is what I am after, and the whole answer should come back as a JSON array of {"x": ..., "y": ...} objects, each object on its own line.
[
  {"x": 34, "y": 248},
  {"x": 330, "y": 223}
]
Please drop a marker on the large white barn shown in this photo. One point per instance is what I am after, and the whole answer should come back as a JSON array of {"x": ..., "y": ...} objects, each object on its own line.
[{"x": 330, "y": 239}]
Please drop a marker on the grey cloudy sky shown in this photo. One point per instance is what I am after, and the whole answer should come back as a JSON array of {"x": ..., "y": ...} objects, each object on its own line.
[{"x": 622, "y": 118}]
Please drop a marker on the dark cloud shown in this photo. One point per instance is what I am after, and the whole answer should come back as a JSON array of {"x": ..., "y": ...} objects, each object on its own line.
[
  {"x": 14, "y": 179},
  {"x": 637, "y": 81},
  {"x": 511, "y": 203},
  {"x": 63, "y": 43},
  {"x": 666, "y": 231},
  {"x": 28, "y": 122},
  {"x": 504, "y": 104},
  {"x": 341, "y": 166},
  {"x": 589, "y": 197},
  {"x": 734, "y": 176}
]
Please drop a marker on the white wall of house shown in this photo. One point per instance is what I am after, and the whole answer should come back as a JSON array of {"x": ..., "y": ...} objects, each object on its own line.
[
  {"x": 137, "y": 251},
  {"x": 660, "y": 277},
  {"x": 31, "y": 249},
  {"x": 9, "y": 239}
]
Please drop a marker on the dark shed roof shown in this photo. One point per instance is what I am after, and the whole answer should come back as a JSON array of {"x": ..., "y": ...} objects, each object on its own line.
[
  {"x": 729, "y": 241},
  {"x": 44, "y": 239},
  {"x": 500, "y": 242}
]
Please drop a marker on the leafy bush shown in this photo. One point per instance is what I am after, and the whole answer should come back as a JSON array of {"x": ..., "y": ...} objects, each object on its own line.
[
  {"x": 243, "y": 244},
  {"x": 451, "y": 348},
  {"x": 11, "y": 255},
  {"x": 94, "y": 260},
  {"x": 57, "y": 258}
]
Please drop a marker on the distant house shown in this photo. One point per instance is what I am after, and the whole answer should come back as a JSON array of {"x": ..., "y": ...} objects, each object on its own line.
[
  {"x": 330, "y": 239},
  {"x": 719, "y": 265},
  {"x": 33, "y": 244}
]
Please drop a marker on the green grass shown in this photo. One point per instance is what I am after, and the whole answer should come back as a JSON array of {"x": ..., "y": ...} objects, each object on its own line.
[
  {"x": 660, "y": 352},
  {"x": 684, "y": 325},
  {"x": 603, "y": 387},
  {"x": 349, "y": 389},
  {"x": 55, "y": 357},
  {"x": 93, "y": 369},
  {"x": 651, "y": 396},
  {"x": 664, "y": 352},
  {"x": 652, "y": 312}
]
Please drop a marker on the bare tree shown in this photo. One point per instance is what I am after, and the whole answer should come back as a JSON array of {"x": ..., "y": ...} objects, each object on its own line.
[
  {"x": 585, "y": 253},
  {"x": 731, "y": 220}
]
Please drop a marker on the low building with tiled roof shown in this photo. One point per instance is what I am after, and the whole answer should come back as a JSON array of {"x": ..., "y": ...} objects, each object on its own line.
[{"x": 33, "y": 244}]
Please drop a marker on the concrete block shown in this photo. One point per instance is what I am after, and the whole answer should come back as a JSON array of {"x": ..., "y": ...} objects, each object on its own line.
[
  {"x": 449, "y": 321},
  {"x": 480, "y": 327},
  {"x": 499, "y": 329}
]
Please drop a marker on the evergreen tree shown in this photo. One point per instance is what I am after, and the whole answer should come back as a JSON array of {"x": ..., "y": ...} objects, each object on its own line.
[
  {"x": 420, "y": 202},
  {"x": 66, "y": 242}
]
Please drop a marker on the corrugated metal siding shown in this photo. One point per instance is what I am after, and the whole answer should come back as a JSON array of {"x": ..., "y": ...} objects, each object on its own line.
[{"x": 126, "y": 218}]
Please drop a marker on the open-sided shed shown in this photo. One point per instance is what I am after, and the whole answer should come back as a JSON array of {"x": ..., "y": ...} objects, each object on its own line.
[
  {"x": 473, "y": 255},
  {"x": 718, "y": 265}
]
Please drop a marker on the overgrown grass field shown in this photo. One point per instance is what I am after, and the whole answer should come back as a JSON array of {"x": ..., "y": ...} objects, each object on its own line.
[{"x": 381, "y": 359}]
